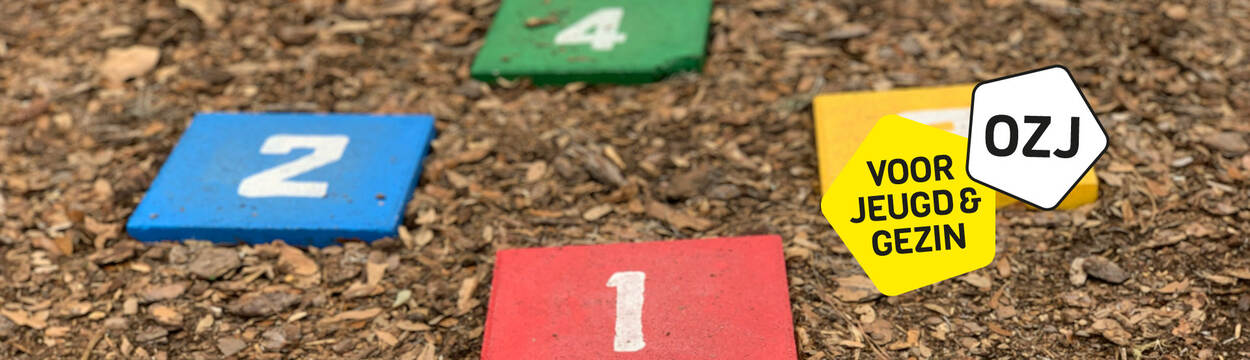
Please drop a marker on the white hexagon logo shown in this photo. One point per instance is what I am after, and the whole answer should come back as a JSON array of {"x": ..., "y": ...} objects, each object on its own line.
[{"x": 1033, "y": 135}]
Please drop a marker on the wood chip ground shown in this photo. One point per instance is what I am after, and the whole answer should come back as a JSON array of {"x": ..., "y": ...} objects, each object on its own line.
[{"x": 94, "y": 94}]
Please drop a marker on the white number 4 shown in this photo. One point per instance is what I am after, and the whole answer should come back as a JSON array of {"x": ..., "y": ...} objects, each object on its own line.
[
  {"x": 275, "y": 181},
  {"x": 629, "y": 288},
  {"x": 599, "y": 29}
]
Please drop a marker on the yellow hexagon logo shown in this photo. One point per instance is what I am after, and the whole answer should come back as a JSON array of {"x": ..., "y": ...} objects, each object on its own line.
[{"x": 907, "y": 210}]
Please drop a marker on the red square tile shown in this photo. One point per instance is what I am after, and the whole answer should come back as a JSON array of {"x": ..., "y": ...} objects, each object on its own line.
[{"x": 690, "y": 299}]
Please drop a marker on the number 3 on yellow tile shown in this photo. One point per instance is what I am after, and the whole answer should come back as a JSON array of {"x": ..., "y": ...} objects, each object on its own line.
[{"x": 844, "y": 119}]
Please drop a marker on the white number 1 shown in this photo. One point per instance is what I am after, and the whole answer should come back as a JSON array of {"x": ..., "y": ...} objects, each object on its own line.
[
  {"x": 599, "y": 29},
  {"x": 629, "y": 287},
  {"x": 275, "y": 181}
]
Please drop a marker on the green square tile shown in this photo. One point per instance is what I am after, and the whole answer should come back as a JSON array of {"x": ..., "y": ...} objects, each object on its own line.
[{"x": 597, "y": 41}]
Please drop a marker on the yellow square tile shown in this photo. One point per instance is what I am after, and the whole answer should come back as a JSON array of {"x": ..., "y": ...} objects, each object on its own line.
[{"x": 844, "y": 119}]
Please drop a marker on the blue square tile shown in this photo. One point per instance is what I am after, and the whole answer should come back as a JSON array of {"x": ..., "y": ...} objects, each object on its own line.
[{"x": 308, "y": 179}]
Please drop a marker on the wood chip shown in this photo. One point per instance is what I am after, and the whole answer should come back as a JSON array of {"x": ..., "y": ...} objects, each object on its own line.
[
  {"x": 1076, "y": 272},
  {"x": 1243, "y": 274},
  {"x": 265, "y": 302},
  {"x": 465, "y": 301},
  {"x": 214, "y": 262},
  {"x": 1228, "y": 143},
  {"x": 406, "y": 325},
  {"x": 976, "y": 279},
  {"x": 1105, "y": 270},
  {"x": 154, "y": 293},
  {"x": 230, "y": 345},
  {"x": 374, "y": 272},
  {"x": 536, "y": 171},
  {"x": 1111, "y": 330},
  {"x": 166, "y": 315},
  {"x": 1218, "y": 279},
  {"x": 294, "y": 261},
  {"x": 209, "y": 11},
  {"x": 361, "y": 290},
  {"x": 856, "y": 288},
  {"x": 427, "y": 353},
  {"x": 402, "y": 297},
  {"x": 597, "y": 212},
  {"x": 353, "y": 315},
  {"x": 204, "y": 324},
  {"x": 125, "y": 63},
  {"x": 676, "y": 218},
  {"x": 38, "y": 321},
  {"x": 386, "y": 338},
  {"x": 598, "y": 167}
]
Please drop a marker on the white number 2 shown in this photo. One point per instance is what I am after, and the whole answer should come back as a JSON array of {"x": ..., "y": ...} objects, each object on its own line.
[
  {"x": 629, "y": 287},
  {"x": 274, "y": 182},
  {"x": 599, "y": 29}
]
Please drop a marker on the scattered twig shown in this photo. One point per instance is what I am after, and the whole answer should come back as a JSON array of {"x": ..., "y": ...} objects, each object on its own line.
[{"x": 95, "y": 339}]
